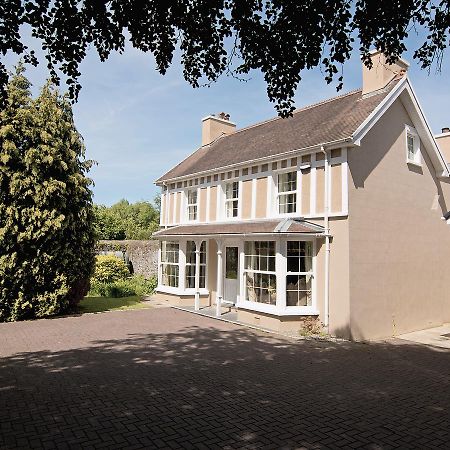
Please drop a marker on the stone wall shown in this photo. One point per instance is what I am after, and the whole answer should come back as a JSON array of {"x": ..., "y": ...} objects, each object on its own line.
[{"x": 143, "y": 255}]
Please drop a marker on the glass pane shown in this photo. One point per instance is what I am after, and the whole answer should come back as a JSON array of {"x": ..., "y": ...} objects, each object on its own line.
[
  {"x": 299, "y": 256},
  {"x": 287, "y": 182},
  {"x": 231, "y": 263},
  {"x": 298, "y": 290}
]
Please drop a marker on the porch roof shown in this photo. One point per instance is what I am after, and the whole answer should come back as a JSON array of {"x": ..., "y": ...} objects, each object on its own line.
[{"x": 243, "y": 228}]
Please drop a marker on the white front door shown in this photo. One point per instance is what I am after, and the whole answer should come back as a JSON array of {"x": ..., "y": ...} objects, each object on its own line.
[{"x": 231, "y": 274}]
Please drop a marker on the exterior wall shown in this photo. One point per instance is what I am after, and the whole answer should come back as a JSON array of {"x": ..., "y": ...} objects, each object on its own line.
[
  {"x": 444, "y": 145},
  {"x": 181, "y": 300},
  {"x": 246, "y": 199},
  {"x": 202, "y": 205},
  {"x": 399, "y": 246},
  {"x": 213, "y": 204},
  {"x": 212, "y": 270},
  {"x": 261, "y": 198}
]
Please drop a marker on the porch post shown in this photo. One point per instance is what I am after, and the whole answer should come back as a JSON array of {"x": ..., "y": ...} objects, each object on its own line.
[
  {"x": 197, "y": 275},
  {"x": 219, "y": 279}
]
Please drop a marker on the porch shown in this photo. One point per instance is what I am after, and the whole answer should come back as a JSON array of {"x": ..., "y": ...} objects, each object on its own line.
[{"x": 265, "y": 270}]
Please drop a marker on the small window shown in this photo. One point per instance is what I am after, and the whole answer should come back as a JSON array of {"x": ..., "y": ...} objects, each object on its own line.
[
  {"x": 192, "y": 204},
  {"x": 169, "y": 263},
  {"x": 299, "y": 273},
  {"x": 412, "y": 146},
  {"x": 232, "y": 199},
  {"x": 287, "y": 192}
]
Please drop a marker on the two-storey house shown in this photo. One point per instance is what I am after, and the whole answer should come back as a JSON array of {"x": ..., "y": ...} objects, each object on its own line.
[{"x": 334, "y": 213}]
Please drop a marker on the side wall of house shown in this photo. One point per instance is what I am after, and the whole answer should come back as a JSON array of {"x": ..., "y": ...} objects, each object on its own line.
[{"x": 399, "y": 246}]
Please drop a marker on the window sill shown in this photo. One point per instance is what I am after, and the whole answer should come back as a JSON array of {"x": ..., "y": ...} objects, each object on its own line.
[
  {"x": 275, "y": 311},
  {"x": 180, "y": 292},
  {"x": 413, "y": 163}
]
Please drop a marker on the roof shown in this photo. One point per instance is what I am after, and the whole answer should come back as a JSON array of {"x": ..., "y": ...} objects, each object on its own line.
[
  {"x": 285, "y": 226},
  {"x": 325, "y": 122}
]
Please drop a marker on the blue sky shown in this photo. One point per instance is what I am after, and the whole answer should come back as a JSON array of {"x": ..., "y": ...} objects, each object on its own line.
[{"x": 137, "y": 124}]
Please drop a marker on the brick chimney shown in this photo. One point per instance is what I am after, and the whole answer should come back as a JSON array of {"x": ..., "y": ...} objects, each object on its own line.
[
  {"x": 214, "y": 126},
  {"x": 381, "y": 72},
  {"x": 443, "y": 141}
]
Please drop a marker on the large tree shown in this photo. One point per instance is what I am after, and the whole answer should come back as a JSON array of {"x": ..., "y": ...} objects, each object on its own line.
[
  {"x": 47, "y": 236},
  {"x": 280, "y": 38}
]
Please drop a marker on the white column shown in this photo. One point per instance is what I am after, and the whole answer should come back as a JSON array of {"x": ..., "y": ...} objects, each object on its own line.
[
  {"x": 280, "y": 267},
  {"x": 219, "y": 279},
  {"x": 197, "y": 275}
]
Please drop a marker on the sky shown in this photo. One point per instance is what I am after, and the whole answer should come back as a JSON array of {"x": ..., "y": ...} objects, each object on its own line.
[{"x": 137, "y": 124}]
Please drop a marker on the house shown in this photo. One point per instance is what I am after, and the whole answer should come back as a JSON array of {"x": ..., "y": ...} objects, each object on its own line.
[{"x": 335, "y": 213}]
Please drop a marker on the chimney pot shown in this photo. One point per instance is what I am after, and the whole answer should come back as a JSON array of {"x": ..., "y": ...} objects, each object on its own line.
[{"x": 446, "y": 130}]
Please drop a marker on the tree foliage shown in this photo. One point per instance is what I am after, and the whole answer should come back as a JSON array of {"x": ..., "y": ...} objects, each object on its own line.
[
  {"x": 281, "y": 38},
  {"x": 125, "y": 220},
  {"x": 47, "y": 239}
]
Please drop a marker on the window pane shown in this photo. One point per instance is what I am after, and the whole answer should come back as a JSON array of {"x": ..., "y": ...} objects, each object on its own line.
[
  {"x": 299, "y": 256},
  {"x": 287, "y": 203},
  {"x": 298, "y": 290},
  {"x": 261, "y": 288},
  {"x": 287, "y": 182},
  {"x": 231, "y": 263}
]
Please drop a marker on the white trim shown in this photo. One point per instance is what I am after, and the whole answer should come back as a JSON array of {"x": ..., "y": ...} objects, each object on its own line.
[
  {"x": 442, "y": 135},
  {"x": 417, "y": 158},
  {"x": 345, "y": 187},
  {"x": 253, "y": 206},
  {"x": 421, "y": 126}
]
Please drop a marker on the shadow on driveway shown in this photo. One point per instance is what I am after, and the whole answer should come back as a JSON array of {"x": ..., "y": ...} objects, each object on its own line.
[{"x": 205, "y": 384}]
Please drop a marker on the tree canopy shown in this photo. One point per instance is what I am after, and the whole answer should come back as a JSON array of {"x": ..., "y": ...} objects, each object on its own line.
[
  {"x": 281, "y": 38},
  {"x": 125, "y": 220},
  {"x": 47, "y": 238}
]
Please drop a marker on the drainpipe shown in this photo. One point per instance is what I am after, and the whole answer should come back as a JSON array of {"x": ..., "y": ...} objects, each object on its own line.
[{"x": 327, "y": 241}]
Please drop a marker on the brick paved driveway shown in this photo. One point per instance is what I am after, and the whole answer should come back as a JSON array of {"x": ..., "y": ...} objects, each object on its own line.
[{"x": 163, "y": 378}]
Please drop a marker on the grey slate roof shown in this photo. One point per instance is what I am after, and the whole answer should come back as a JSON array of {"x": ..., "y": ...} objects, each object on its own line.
[
  {"x": 331, "y": 120},
  {"x": 238, "y": 228}
]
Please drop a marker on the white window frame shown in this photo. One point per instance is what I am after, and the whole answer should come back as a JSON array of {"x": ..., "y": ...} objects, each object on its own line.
[
  {"x": 286, "y": 193},
  {"x": 187, "y": 264},
  {"x": 417, "y": 159},
  {"x": 262, "y": 272},
  {"x": 230, "y": 201},
  {"x": 165, "y": 263},
  {"x": 192, "y": 205},
  {"x": 309, "y": 273}
]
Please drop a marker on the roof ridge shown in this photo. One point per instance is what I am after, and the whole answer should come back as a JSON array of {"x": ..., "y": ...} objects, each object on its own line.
[{"x": 296, "y": 111}]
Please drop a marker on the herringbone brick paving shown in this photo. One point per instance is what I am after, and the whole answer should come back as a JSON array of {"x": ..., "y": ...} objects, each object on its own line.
[{"x": 161, "y": 378}]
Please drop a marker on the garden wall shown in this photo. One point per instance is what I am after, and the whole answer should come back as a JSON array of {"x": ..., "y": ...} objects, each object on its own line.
[{"x": 143, "y": 255}]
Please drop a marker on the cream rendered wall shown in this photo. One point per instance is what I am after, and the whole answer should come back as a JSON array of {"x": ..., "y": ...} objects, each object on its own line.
[
  {"x": 246, "y": 199},
  {"x": 202, "y": 205},
  {"x": 178, "y": 207},
  {"x": 399, "y": 246},
  {"x": 444, "y": 145},
  {"x": 261, "y": 198},
  {"x": 213, "y": 203}
]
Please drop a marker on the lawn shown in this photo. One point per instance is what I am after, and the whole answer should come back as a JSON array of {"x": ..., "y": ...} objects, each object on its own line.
[{"x": 100, "y": 304}]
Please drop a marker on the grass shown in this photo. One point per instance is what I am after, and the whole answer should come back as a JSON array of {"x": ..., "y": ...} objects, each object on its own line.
[{"x": 101, "y": 304}]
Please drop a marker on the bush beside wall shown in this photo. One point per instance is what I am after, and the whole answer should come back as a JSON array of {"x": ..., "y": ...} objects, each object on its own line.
[{"x": 143, "y": 255}]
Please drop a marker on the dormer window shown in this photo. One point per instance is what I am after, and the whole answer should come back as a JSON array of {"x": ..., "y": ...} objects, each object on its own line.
[
  {"x": 287, "y": 192},
  {"x": 412, "y": 146},
  {"x": 232, "y": 199},
  {"x": 192, "y": 205}
]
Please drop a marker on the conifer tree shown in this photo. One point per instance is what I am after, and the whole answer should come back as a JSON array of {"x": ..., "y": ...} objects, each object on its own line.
[{"x": 47, "y": 237}]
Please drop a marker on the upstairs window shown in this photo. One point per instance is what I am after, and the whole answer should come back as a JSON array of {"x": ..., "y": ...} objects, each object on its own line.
[
  {"x": 192, "y": 204},
  {"x": 287, "y": 192},
  {"x": 232, "y": 199},
  {"x": 412, "y": 146}
]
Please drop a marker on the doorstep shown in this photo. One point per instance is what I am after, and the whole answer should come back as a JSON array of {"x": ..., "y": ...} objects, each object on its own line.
[{"x": 436, "y": 337}]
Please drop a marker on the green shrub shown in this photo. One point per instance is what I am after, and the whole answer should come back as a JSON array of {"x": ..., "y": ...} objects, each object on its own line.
[
  {"x": 47, "y": 235},
  {"x": 108, "y": 269},
  {"x": 135, "y": 285}
]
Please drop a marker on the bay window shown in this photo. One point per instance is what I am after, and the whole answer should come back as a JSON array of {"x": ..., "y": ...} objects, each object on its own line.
[
  {"x": 259, "y": 272},
  {"x": 170, "y": 268},
  {"x": 299, "y": 273},
  {"x": 287, "y": 192},
  {"x": 232, "y": 199},
  {"x": 190, "y": 265}
]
